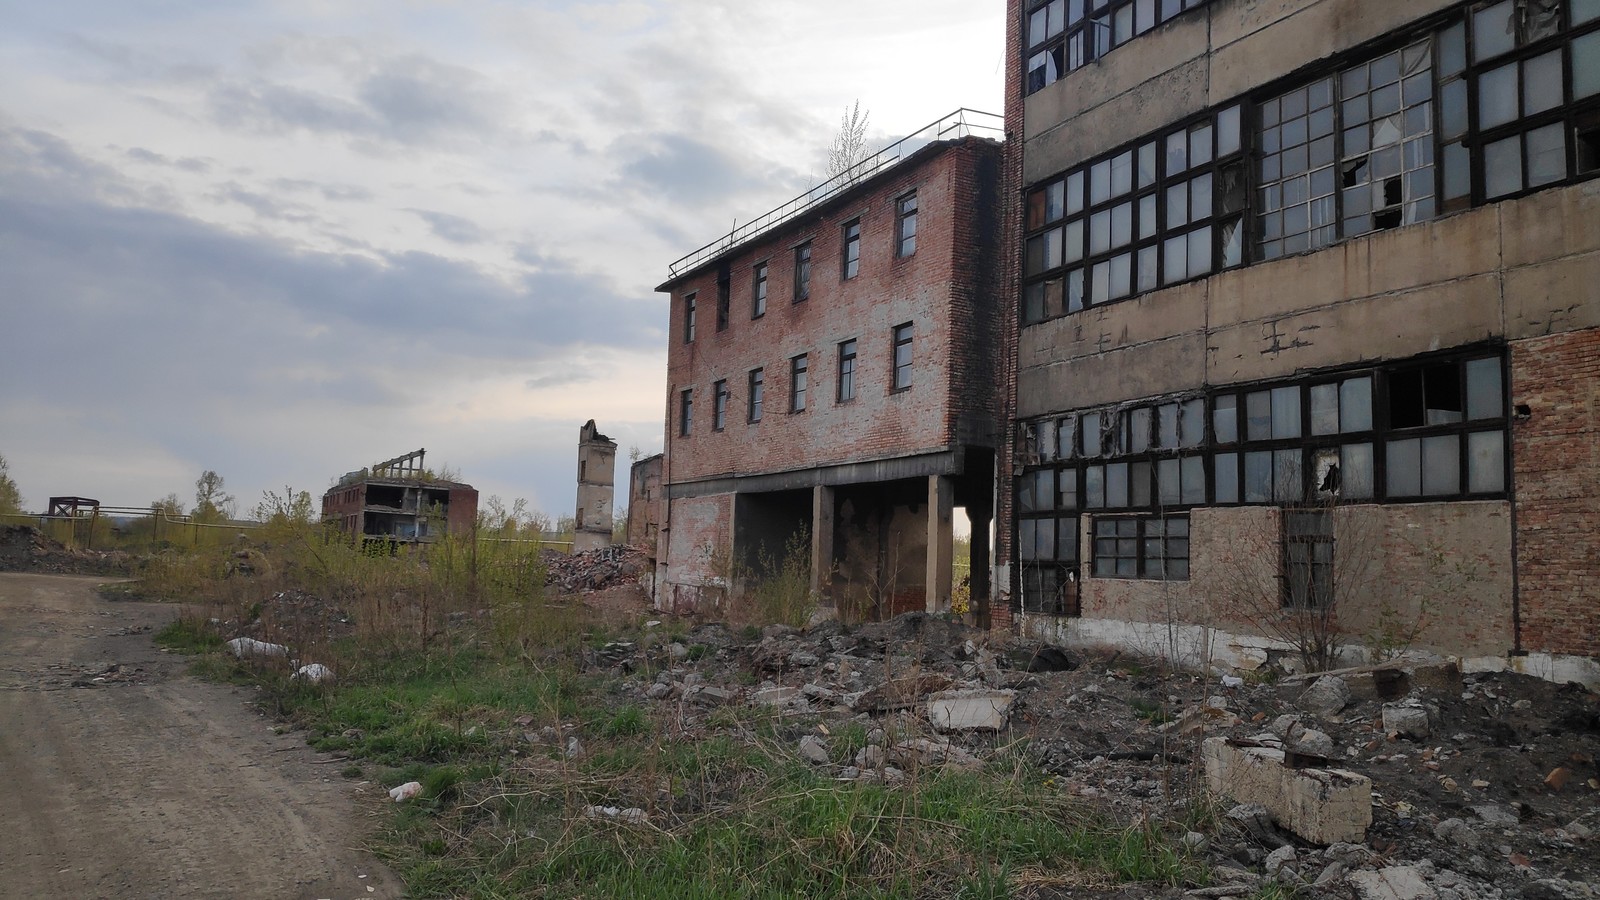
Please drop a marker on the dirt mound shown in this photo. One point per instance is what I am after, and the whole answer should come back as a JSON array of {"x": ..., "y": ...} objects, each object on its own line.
[{"x": 24, "y": 548}]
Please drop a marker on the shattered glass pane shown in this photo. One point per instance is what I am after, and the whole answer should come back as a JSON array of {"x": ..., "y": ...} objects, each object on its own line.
[
  {"x": 1543, "y": 18},
  {"x": 1191, "y": 424},
  {"x": 1074, "y": 290},
  {"x": 1225, "y": 419},
  {"x": 1232, "y": 243}
]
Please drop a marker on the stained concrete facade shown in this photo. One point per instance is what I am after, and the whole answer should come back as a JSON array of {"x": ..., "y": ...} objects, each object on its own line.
[
  {"x": 597, "y": 468},
  {"x": 830, "y": 388},
  {"x": 1456, "y": 301}
]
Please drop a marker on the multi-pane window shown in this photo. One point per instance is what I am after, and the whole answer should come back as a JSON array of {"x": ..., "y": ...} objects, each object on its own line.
[
  {"x": 685, "y": 411},
  {"x": 802, "y": 272},
  {"x": 1156, "y": 213},
  {"x": 906, "y": 225},
  {"x": 1064, "y": 35},
  {"x": 902, "y": 356},
  {"x": 1142, "y": 547},
  {"x": 758, "y": 296},
  {"x": 688, "y": 318},
  {"x": 852, "y": 249},
  {"x": 1501, "y": 100},
  {"x": 797, "y": 383},
  {"x": 847, "y": 370},
  {"x": 1308, "y": 558},
  {"x": 1534, "y": 67},
  {"x": 1348, "y": 153},
  {"x": 757, "y": 393},
  {"x": 719, "y": 405}
]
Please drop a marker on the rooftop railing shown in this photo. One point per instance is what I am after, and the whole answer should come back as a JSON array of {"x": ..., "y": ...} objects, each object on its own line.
[{"x": 959, "y": 124}]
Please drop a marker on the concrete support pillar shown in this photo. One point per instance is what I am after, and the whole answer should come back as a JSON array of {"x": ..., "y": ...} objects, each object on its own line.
[
  {"x": 941, "y": 547},
  {"x": 822, "y": 544}
]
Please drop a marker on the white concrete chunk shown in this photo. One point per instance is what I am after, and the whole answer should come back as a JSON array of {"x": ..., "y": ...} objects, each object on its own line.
[
  {"x": 1392, "y": 883},
  {"x": 974, "y": 710},
  {"x": 1323, "y": 806}
]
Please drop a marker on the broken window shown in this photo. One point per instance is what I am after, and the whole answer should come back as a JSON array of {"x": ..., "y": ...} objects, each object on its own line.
[
  {"x": 1063, "y": 35},
  {"x": 902, "y": 356},
  {"x": 758, "y": 300},
  {"x": 1449, "y": 402},
  {"x": 685, "y": 411},
  {"x": 1153, "y": 214},
  {"x": 719, "y": 405},
  {"x": 847, "y": 370},
  {"x": 802, "y": 272},
  {"x": 906, "y": 225},
  {"x": 797, "y": 383},
  {"x": 1308, "y": 559},
  {"x": 1141, "y": 547},
  {"x": 1348, "y": 153},
  {"x": 688, "y": 318},
  {"x": 852, "y": 249},
  {"x": 1535, "y": 65},
  {"x": 757, "y": 393}
]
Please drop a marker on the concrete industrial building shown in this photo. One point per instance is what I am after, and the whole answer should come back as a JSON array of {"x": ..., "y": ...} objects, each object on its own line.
[
  {"x": 831, "y": 374},
  {"x": 1308, "y": 314},
  {"x": 399, "y": 500}
]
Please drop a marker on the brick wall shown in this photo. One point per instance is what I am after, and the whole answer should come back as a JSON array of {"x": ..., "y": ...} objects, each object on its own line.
[
  {"x": 697, "y": 539},
  {"x": 941, "y": 289},
  {"x": 1556, "y": 474},
  {"x": 1007, "y": 596}
]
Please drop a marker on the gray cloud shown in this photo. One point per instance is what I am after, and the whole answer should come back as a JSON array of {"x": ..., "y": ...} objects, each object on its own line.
[{"x": 454, "y": 229}]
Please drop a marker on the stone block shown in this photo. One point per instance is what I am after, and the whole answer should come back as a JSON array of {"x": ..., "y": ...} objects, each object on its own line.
[
  {"x": 970, "y": 710},
  {"x": 1392, "y": 883},
  {"x": 1407, "y": 721},
  {"x": 1323, "y": 806}
]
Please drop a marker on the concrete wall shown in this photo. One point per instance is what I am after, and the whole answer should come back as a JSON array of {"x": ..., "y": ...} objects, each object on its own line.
[{"x": 695, "y": 560}]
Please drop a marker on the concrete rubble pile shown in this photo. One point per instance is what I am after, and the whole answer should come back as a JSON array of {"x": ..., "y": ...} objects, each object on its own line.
[
  {"x": 1406, "y": 780},
  {"x": 594, "y": 570}
]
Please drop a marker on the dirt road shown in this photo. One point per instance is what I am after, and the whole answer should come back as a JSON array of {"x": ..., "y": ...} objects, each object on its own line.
[{"x": 148, "y": 783}]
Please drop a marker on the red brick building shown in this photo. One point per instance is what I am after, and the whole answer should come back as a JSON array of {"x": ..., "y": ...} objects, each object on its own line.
[
  {"x": 1306, "y": 319},
  {"x": 832, "y": 372},
  {"x": 399, "y": 500}
]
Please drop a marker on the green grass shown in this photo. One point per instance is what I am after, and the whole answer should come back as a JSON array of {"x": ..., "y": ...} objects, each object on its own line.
[{"x": 189, "y": 635}]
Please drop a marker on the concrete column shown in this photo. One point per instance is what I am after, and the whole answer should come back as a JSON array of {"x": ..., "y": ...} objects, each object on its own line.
[
  {"x": 822, "y": 544},
  {"x": 941, "y": 504}
]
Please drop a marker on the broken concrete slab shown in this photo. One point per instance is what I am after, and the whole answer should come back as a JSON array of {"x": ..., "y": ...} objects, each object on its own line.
[
  {"x": 1327, "y": 696},
  {"x": 1406, "y": 721},
  {"x": 1391, "y": 680},
  {"x": 1392, "y": 883},
  {"x": 1322, "y": 806},
  {"x": 774, "y": 696},
  {"x": 972, "y": 710},
  {"x": 814, "y": 750}
]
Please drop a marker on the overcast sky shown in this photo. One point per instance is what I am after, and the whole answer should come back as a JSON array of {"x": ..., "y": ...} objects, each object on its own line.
[{"x": 284, "y": 240}]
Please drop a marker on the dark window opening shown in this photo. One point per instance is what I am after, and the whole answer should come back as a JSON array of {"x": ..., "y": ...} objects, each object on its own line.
[
  {"x": 724, "y": 298},
  {"x": 1308, "y": 559},
  {"x": 685, "y": 411},
  {"x": 688, "y": 318},
  {"x": 906, "y": 225},
  {"x": 1142, "y": 547},
  {"x": 758, "y": 302},
  {"x": 797, "y": 383},
  {"x": 719, "y": 405}
]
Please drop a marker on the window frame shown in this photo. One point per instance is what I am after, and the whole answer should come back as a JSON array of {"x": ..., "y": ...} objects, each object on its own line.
[
  {"x": 847, "y": 368},
  {"x": 689, "y": 312},
  {"x": 905, "y": 225},
  {"x": 685, "y": 412},
  {"x": 799, "y": 366},
  {"x": 756, "y": 385},
  {"x": 802, "y": 272},
  {"x": 719, "y": 404},
  {"x": 1130, "y": 540},
  {"x": 758, "y": 290},
  {"x": 850, "y": 250},
  {"x": 901, "y": 335},
  {"x": 1087, "y": 31}
]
